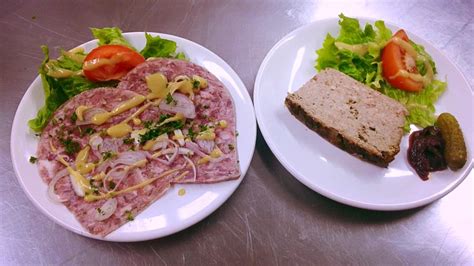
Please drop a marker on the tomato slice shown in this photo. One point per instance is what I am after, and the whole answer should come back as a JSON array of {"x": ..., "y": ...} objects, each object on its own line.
[
  {"x": 110, "y": 62},
  {"x": 395, "y": 59}
]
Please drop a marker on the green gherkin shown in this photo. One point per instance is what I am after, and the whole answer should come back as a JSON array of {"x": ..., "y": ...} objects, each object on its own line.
[{"x": 455, "y": 152}]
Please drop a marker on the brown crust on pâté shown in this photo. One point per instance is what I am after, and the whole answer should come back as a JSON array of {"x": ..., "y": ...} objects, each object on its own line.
[{"x": 333, "y": 136}]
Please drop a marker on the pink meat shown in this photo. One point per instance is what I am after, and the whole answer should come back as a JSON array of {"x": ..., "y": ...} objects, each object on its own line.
[
  {"x": 63, "y": 127},
  {"x": 212, "y": 104}
]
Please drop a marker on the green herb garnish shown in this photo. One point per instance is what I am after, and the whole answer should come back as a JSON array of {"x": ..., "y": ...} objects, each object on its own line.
[
  {"x": 128, "y": 141},
  {"x": 170, "y": 100},
  {"x": 74, "y": 117},
  {"x": 33, "y": 159},
  {"x": 70, "y": 146},
  {"x": 155, "y": 130},
  {"x": 196, "y": 84},
  {"x": 129, "y": 216},
  {"x": 107, "y": 155}
]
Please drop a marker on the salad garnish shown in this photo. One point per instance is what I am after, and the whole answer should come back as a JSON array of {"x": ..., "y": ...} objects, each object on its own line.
[
  {"x": 66, "y": 76},
  {"x": 357, "y": 52}
]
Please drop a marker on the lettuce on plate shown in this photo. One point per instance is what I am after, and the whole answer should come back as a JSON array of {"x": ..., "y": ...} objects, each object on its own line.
[
  {"x": 62, "y": 78},
  {"x": 356, "y": 52},
  {"x": 58, "y": 90}
]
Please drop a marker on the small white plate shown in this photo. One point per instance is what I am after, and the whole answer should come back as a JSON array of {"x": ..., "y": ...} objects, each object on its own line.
[
  {"x": 329, "y": 170},
  {"x": 169, "y": 214}
]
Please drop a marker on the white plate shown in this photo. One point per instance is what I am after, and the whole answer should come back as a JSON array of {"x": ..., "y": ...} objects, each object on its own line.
[
  {"x": 329, "y": 170},
  {"x": 169, "y": 214}
]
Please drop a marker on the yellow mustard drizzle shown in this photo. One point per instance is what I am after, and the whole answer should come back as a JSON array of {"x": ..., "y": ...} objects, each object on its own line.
[
  {"x": 101, "y": 118},
  {"x": 81, "y": 180},
  {"x": 99, "y": 62},
  {"x": 222, "y": 124},
  {"x": 216, "y": 153},
  {"x": 136, "y": 121},
  {"x": 75, "y": 55},
  {"x": 202, "y": 81},
  {"x": 177, "y": 117},
  {"x": 360, "y": 49},
  {"x": 99, "y": 176},
  {"x": 80, "y": 112},
  {"x": 82, "y": 166},
  {"x": 427, "y": 78},
  {"x": 119, "y": 130},
  {"x": 157, "y": 83},
  {"x": 204, "y": 159},
  {"x": 111, "y": 194},
  {"x": 207, "y": 134}
]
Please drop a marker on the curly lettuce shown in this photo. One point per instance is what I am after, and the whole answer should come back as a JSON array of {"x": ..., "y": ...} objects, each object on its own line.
[{"x": 356, "y": 52}]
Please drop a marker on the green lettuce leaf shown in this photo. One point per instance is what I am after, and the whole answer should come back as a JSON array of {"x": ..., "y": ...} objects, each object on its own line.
[
  {"x": 58, "y": 90},
  {"x": 158, "y": 47},
  {"x": 367, "y": 68},
  {"x": 110, "y": 36}
]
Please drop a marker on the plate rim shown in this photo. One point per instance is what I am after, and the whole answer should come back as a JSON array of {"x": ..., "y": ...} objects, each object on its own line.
[
  {"x": 326, "y": 193},
  {"x": 152, "y": 235}
]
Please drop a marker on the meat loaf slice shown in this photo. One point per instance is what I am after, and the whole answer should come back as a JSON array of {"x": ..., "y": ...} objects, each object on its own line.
[{"x": 350, "y": 115}]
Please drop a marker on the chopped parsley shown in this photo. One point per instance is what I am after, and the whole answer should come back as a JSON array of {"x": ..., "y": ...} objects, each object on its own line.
[
  {"x": 94, "y": 188},
  {"x": 112, "y": 185},
  {"x": 203, "y": 128},
  {"x": 128, "y": 141},
  {"x": 129, "y": 216},
  {"x": 70, "y": 146},
  {"x": 33, "y": 159},
  {"x": 196, "y": 84},
  {"x": 74, "y": 117},
  {"x": 231, "y": 147},
  {"x": 191, "y": 133},
  {"x": 170, "y": 100},
  {"x": 89, "y": 131},
  {"x": 99, "y": 210},
  {"x": 147, "y": 124},
  {"x": 107, "y": 155},
  {"x": 154, "y": 130}
]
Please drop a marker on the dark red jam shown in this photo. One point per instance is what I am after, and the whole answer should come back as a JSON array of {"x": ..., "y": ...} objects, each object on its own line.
[{"x": 426, "y": 151}]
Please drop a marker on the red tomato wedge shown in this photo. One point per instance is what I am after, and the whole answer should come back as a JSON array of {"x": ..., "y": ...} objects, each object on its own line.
[
  {"x": 394, "y": 60},
  {"x": 110, "y": 62}
]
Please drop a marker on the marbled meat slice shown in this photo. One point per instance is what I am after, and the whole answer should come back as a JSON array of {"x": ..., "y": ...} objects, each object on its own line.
[
  {"x": 63, "y": 131},
  {"x": 213, "y": 103}
]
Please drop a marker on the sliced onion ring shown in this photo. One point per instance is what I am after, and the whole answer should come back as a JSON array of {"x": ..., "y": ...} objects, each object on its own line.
[
  {"x": 88, "y": 114},
  {"x": 106, "y": 210},
  {"x": 52, "y": 195},
  {"x": 193, "y": 166}
]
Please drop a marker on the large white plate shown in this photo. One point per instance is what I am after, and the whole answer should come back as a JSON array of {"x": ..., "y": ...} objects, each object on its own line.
[
  {"x": 329, "y": 170},
  {"x": 169, "y": 214}
]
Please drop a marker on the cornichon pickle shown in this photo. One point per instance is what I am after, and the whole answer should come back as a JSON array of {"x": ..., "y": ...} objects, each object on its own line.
[{"x": 455, "y": 151}]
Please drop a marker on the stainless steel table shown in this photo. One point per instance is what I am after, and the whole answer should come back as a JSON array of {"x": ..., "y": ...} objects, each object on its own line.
[{"x": 272, "y": 218}]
